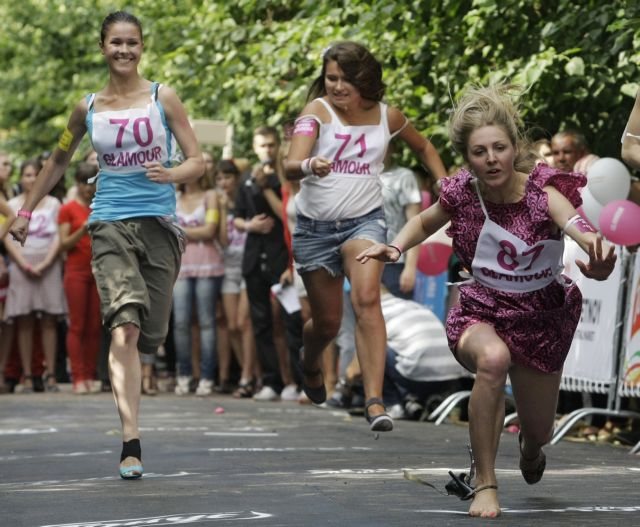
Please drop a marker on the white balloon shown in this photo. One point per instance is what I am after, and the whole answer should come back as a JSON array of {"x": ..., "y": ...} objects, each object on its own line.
[
  {"x": 608, "y": 180},
  {"x": 590, "y": 208}
]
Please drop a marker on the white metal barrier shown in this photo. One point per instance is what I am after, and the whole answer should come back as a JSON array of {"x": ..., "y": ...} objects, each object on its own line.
[{"x": 597, "y": 361}]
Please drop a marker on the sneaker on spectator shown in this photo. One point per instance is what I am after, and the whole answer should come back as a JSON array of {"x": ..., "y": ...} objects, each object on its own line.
[
  {"x": 80, "y": 388},
  {"x": 396, "y": 411},
  {"x": 338, "y": 400},
  {"x": 205, "y": 387},
  {"x": 182, "y": 385},
  {"x": 290, "y": 393},
  {"x": 267, "y": 393},
  {"x": 94, "y": 386},
  {"x": 414, "y": 409}
]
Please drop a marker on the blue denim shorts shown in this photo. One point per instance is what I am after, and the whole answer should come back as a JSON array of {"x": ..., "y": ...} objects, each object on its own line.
[{"x": 317, "y": 243}]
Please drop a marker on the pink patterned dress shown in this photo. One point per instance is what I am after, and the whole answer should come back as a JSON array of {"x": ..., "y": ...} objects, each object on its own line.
[{"x": 537, "y": 326}]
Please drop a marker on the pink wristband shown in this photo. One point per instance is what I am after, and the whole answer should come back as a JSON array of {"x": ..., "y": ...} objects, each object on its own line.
[
  {"x": 305, "y": 166},
  {"x": 24, "y": 213}
]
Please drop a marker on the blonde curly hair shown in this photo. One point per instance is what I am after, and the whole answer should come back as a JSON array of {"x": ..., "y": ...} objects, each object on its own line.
[{"x": 493, "y": 105}]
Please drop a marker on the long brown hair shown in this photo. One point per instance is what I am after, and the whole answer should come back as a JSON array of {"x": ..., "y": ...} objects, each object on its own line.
[{"x": 360, "y": 67}]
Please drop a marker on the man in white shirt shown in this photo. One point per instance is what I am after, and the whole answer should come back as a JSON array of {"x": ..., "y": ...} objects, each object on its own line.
[{"x": 419, "y": 362}]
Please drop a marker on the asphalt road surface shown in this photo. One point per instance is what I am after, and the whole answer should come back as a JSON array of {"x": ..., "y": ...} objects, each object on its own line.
[{"x": 221, "y": 461}]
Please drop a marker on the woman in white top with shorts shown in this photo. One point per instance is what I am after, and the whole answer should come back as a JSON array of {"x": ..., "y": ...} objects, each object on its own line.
[{"x": 337, "y": 150}]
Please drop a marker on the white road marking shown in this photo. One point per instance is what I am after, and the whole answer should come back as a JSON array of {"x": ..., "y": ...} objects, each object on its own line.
[
  {"x": 173, "y": 519},
  {"x": 587, "y": 509},
  {"x": 27, "y": 431},
  {"x": 290, "y": 449},
  {"x": 242, "y": 434},
  {"x": 52, "y": 484},
  {"x": 58, "y": 454}
]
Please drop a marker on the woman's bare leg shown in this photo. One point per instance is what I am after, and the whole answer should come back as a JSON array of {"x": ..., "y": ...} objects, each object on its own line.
[
  {"x": 223, "y": 345},
  {"x": 126, "y": 377},
  {"x": 371, "y": 332},
  {"x": 325, "y": 301},
  {"x": 536, "y": 395},
  {"x": 280, "y": 342},
  {"x": 25, "y": 325},
  {"x": 486, "y": 354},
  {"x": 49, "y": 332}
]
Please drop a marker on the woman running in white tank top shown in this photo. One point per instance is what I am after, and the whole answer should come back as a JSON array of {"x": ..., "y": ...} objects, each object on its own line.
[{"x": 337, "y": 150}]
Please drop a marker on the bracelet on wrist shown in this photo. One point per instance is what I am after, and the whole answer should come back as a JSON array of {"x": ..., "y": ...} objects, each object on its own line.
[
  {"x": 397, "y": 248},
  {"x": 305, "y": 166},
  {"x": 24, "y": 213}
]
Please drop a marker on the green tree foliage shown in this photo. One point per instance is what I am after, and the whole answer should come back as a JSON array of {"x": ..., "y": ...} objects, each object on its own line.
[{"x": 251, "y": 61}]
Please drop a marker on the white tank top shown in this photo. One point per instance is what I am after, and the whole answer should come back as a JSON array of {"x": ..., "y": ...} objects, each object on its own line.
[
  {"x": 504, "y": 262},
  {"x": 194, "y": 218},
  {"x": 353, "y": 186}
]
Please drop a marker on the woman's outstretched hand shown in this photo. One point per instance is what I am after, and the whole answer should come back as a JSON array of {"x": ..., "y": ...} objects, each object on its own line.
[
  {"x": 379, "y": 251},
  {"x": 598, "y": 267}
]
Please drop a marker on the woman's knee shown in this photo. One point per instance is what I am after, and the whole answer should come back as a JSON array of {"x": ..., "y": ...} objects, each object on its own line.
[
  {"x": 326, "y": 328},
  {"x": 493, "y": 362},
  {"x": 234, "y": 325},
  {"x": 365, "y": 298},
  {"x": 125, "y": 335}
]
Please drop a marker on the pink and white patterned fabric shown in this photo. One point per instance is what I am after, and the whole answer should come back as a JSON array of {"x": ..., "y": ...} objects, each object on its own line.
[{"x": 537, "y": 326}]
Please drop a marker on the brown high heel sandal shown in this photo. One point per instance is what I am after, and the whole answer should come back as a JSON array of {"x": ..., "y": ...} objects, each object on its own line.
[
  {"x": 317, "y": 395},
  {"x": 532, "y": 475},
  {"x": 244, "y": 390}
]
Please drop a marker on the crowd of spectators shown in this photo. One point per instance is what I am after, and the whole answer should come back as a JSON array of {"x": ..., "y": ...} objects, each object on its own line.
[{"x": 229, "y": 332}]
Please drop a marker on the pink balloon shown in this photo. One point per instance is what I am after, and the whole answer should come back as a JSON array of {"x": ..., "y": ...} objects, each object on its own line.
[
  {"x": 620, "y": 222},
  {"x": 427, "y": 200},
  {"x": 434, "y": 258}
]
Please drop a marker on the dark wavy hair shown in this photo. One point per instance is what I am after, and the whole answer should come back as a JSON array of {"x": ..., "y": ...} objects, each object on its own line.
[
  {"x": 33, "y": 162},
  {"x": 227, "y": 166},
  {"x": 85, "y": 171},
  {"x": 114, "y": 18},
  {"x": 360, "y": 67}
]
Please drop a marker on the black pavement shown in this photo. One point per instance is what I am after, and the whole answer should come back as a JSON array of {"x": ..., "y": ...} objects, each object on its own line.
[{"x": 221, "y": 461}]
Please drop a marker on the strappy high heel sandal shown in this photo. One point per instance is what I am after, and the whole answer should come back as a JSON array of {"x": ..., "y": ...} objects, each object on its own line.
[
  {"x": 50, "y": 384},
  {"x": 316, "y": 395},
  {"x": 131, "y": 449},
  {"x": 539, "y": 463},
  {"x": 244, "y": 390},
  {"x": 381, "y": 422}
]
